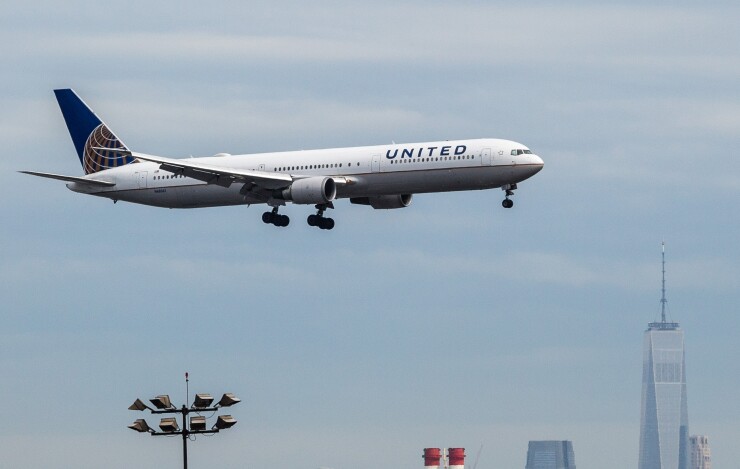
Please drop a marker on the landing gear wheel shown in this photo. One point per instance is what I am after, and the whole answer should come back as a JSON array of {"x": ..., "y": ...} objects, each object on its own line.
[
  {"x": 509, "y": 191},
  {"x": 281, "y": 220},
  {"x": 319, "y": 220},
  {"x": 274, "y": 218},
  {"x": 326, "y": 223}
]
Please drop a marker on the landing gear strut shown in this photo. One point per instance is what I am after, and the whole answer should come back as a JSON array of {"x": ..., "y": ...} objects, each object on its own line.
[
  {"x": 509, "y": 190},
  {"x": 319, "y": 219},
  {"x": 275, "y": 218}
]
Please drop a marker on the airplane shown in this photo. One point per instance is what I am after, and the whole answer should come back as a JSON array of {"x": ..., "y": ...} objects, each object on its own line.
[{"x": 381, "y": 176}]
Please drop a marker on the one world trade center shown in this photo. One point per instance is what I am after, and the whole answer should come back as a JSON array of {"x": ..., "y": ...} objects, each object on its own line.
[{"x": 664, "y": 423}]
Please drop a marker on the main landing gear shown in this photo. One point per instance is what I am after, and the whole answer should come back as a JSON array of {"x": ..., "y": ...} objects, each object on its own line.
[
  {"x": 275, "y": 218},
  {"x": 509, "y": 189},
  {"x": 319, "y": 219}
]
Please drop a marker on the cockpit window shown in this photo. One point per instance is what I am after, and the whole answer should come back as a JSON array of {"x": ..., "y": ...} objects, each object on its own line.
[
  {"x": 521, "y": 152},
  {"x": 527, "y": 152}
]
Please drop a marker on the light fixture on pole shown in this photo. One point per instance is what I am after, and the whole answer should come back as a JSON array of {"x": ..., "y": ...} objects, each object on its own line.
[{"x": 197, "y": 425}]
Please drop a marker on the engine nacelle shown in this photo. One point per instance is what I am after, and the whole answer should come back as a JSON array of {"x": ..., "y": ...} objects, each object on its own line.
[
  {"x": 315, "y": 190},
  {"x": 384, "y": 201}
]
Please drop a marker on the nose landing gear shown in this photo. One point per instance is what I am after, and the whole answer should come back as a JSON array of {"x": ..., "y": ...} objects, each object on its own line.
[
  {"x": 509, "y": 190},
  {"x": 319, "y": 220},
  {"x": 275, "y": 218}
]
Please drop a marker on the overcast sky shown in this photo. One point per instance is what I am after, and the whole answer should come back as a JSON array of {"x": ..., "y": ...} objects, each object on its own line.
[{"x": 453, "y": 322}]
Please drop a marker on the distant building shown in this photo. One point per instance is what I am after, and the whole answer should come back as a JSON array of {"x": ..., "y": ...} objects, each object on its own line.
[
  {"x": 550, "y": 455},
  {"x": 701, "y": 456},
  {"x": 664, "y": 421}
]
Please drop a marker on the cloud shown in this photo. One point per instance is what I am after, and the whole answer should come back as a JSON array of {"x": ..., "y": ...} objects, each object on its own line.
[
  {"x": 473, "y": 33},
  {"x": 557, "y": 268}
]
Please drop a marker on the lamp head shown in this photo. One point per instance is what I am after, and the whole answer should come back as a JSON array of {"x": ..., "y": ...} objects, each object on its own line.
[
  {"x": 162, "y": 402},
  {"x": 169, "y": 425},
  {"x": 225, "y": 421},
  {"x": 138, "y": 405},
  {"x": 202, "y": 401},
  {"x": 140, "y": 426},
  {"x": 228, "y": 399},
  {"x": 197, "y": 423}
]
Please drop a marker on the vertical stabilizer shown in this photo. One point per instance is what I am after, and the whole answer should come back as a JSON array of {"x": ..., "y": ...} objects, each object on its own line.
[{"x": 95, "y": 143}]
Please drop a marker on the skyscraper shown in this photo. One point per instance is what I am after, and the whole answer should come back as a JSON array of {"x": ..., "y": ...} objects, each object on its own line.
[
  {"x": 701, "y": 456},
  {"x": 550, "y": 455},
  {"x": 664, "y": 422}
]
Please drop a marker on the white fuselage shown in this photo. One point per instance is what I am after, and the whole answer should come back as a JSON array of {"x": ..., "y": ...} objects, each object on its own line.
[{"x": 361, "y": 172}]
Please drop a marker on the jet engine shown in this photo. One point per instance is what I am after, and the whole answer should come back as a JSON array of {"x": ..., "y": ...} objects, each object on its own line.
[
  {"x": 315, "y": 190},
  {"x": 384, "y": 201}
]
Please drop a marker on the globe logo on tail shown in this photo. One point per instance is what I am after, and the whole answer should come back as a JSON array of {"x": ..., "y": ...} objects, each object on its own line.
[{"x": 101, "y": 151}]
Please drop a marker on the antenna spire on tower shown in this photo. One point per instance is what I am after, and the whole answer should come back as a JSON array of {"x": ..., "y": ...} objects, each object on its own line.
[
  {"x": 663, "y": 324},
  {"x": 663, "y": 300}
]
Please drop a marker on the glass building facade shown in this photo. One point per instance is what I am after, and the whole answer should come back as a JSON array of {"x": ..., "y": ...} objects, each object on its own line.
[
  {"x": 550, "y": 455},
  {"x": 664, "y": 423}
]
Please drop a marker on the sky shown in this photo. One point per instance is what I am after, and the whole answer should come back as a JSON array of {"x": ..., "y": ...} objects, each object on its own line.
[{"x": 451, "y": 323}]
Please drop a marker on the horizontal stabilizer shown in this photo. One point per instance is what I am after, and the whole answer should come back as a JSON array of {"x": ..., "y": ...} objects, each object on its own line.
[{"x": 79, "y": 180}]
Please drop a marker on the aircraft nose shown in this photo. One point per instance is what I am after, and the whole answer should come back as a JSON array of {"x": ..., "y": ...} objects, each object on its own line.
[{"x": 537, "y": 162}]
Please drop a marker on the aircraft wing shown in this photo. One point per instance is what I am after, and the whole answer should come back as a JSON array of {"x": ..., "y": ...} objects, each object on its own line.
[
  {"x": 79, "y": 180},
  {"x": 223, "y": 176}
]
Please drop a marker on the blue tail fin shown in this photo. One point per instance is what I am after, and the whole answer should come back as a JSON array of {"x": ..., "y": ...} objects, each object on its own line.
[{"x": 96, "y": 145}]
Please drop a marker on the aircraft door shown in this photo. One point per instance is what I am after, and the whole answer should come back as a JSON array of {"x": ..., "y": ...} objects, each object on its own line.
[
  {"x": 376, "y": 163},
  {"x": 486, "y": 159},
  {"x": 142, "y": 176}
]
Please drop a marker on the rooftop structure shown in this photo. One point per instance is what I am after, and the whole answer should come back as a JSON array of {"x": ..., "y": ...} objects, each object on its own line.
[{"x": 551, "y": 455}]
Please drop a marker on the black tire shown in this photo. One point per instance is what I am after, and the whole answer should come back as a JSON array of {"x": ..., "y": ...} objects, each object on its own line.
[
  {"x": 312, "y": 220},
  {"x": 284, "y": 220},
  {"x": 328, "y": 224},
  {"x": 267, "y": 217},
  {"x": 507, "y": 203}
]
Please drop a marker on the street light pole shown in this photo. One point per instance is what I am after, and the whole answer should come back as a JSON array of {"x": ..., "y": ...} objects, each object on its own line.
[
  {"x": 196, "y": 426},
  {"x": 184, "y": 438}
]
